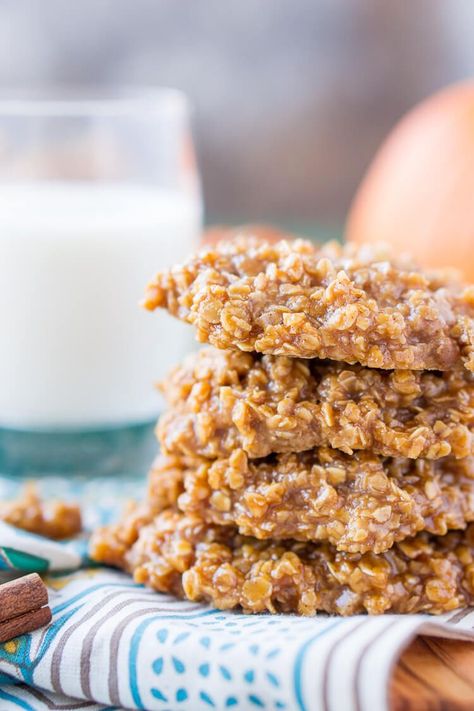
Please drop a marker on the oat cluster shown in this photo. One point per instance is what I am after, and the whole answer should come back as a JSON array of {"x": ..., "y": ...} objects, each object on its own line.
[{"x": 321, "y": 458}]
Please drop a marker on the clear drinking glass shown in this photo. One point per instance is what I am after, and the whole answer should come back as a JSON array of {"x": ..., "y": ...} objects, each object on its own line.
[{"x": 97, "y": 192}]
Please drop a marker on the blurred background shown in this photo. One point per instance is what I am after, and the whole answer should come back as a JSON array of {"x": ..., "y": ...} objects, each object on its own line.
[{"x": 291, "y": 99}]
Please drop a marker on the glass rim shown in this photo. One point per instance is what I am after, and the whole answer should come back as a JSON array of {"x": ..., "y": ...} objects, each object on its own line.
[{"x": 92, "y": 100}]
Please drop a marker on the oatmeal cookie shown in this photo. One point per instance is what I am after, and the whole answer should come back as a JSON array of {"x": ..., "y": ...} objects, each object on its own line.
[
  {"x": 357, "y": 503},
  {"x": 183, "y": 555},
  {"x": 294, "y": 298},
  {"x": 224, "y": 400}
]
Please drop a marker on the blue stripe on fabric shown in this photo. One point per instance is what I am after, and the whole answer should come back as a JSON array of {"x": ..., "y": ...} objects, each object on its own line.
[
  {"x": 21, "y": 703},
  {"x": 27, "y": 671},
  {"x": 135, "y": 644},
  {"x": 299, "y": 663}
]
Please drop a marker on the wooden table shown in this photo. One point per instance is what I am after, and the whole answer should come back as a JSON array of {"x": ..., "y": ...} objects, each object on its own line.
[{"x": 434, "y": 675}]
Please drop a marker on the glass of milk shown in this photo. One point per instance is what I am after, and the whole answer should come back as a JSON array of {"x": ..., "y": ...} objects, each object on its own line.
[{"x": 96, "y": 194}]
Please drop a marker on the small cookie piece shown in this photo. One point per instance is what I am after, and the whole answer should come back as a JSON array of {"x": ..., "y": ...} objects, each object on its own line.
[{"x": 53, "y": 519}]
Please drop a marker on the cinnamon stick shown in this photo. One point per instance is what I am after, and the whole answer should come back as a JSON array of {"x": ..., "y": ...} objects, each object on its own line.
[
  {"x": 22, "y": 624},
  {"x": 23, "y": 606},
  {"x": 21, "y": 596}
]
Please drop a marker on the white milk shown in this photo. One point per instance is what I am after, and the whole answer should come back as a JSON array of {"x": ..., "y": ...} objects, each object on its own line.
[{"x": 76, "y": 347}]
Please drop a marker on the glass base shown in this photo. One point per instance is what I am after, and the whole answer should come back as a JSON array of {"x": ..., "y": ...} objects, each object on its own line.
[{"x": 118, "y": 450}]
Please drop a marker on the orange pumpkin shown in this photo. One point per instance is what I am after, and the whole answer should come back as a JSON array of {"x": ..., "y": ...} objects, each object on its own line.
[{"x": 418, "y": 194}]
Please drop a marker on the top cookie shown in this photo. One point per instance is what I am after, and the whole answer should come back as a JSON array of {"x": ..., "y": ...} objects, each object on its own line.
[{"x": 298, "y": 299}]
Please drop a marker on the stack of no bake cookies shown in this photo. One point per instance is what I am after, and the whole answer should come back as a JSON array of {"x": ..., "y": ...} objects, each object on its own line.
[{"x": 319, "y": 454}]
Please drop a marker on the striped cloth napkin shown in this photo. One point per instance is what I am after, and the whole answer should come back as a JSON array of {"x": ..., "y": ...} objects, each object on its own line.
[{"x": 114, "y": 644}]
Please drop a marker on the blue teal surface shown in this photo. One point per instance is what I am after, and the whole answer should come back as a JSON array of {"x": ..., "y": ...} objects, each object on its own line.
[{"x": 108, "y": 451}]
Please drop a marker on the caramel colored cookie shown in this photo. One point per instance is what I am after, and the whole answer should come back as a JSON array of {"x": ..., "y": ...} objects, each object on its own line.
[
  {"x": 224, "y": 400},
  {"x": 297, "y": 299},
  {"x": 357, "y": 503},
  {"x": 182, "y": 555}
]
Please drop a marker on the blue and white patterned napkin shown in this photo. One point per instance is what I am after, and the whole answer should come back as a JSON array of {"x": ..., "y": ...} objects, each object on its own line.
[{"x": 114, "y": 644}]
